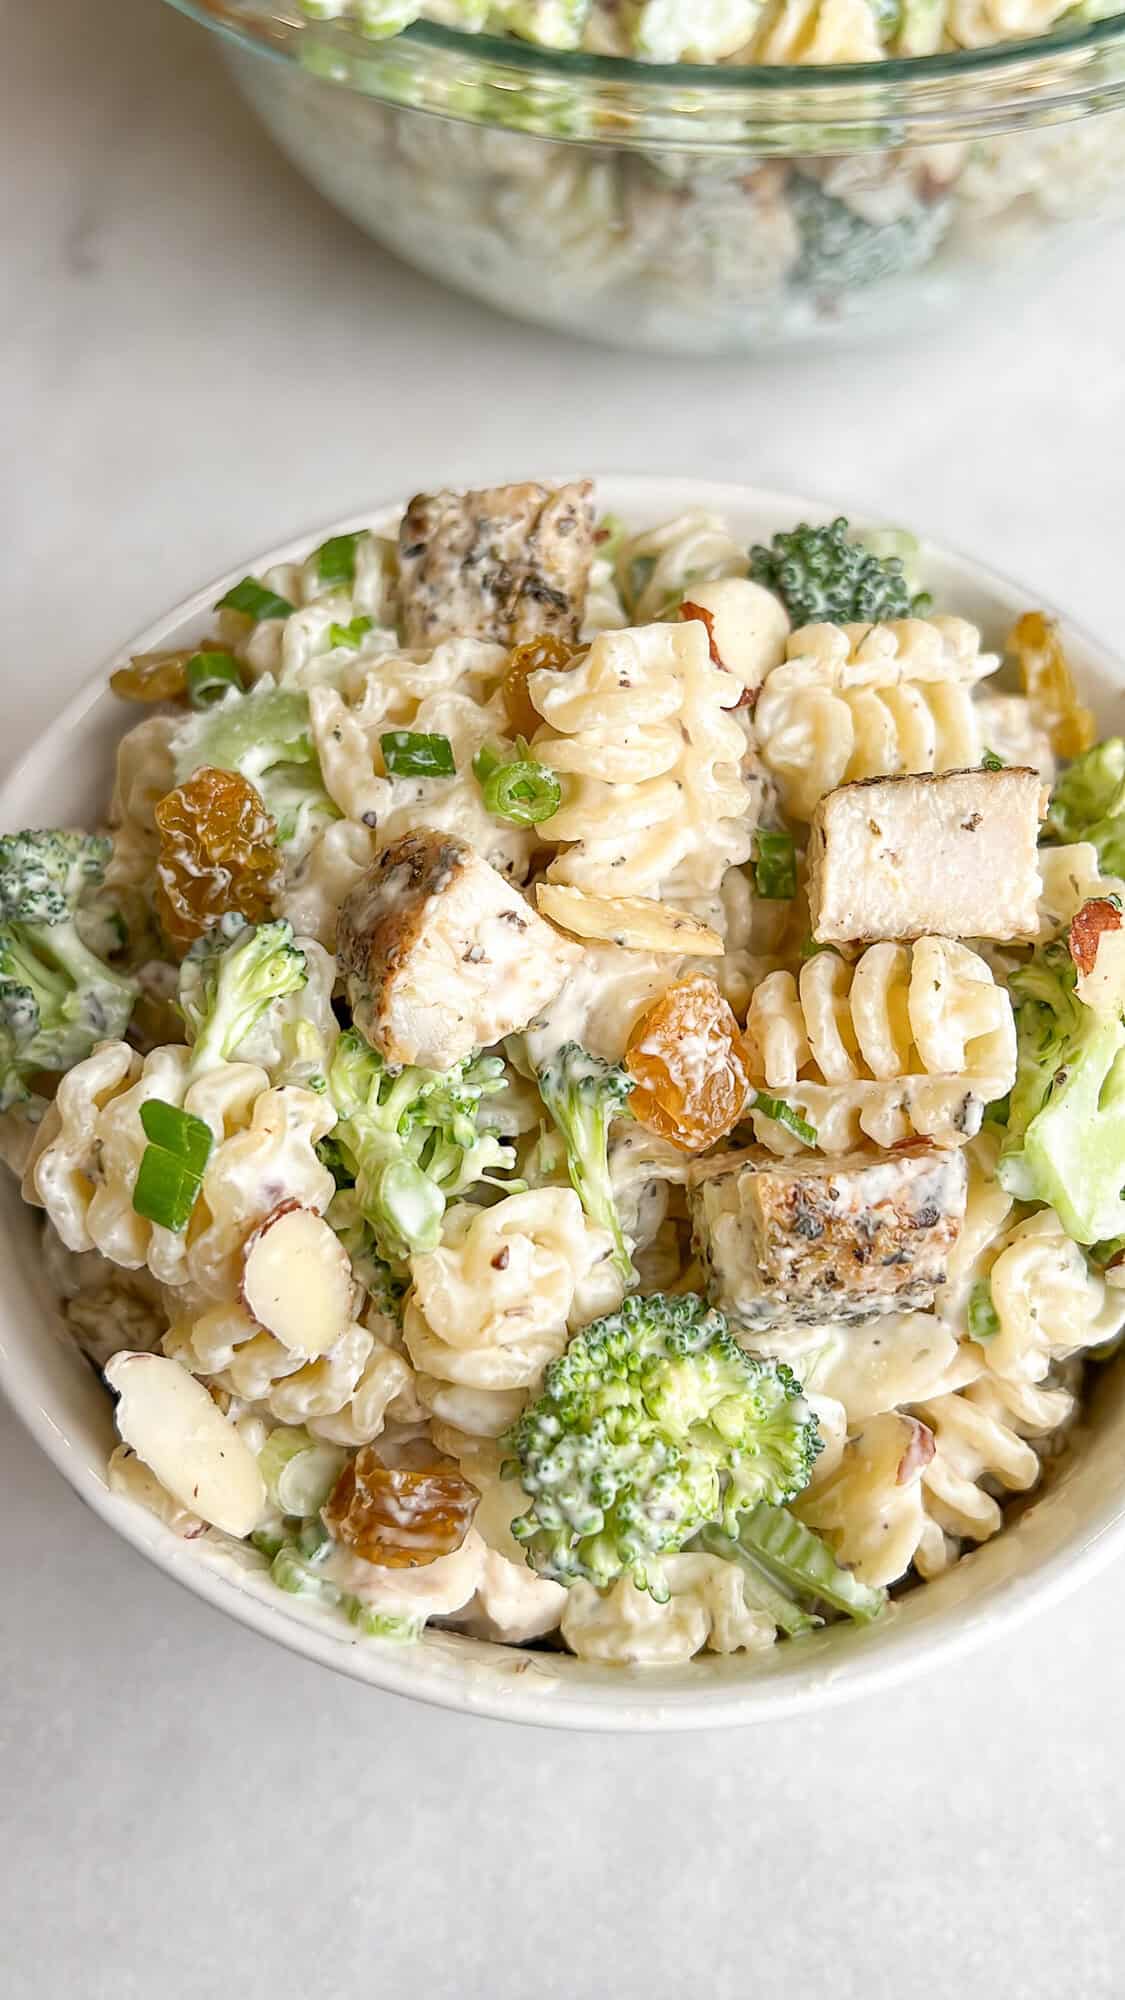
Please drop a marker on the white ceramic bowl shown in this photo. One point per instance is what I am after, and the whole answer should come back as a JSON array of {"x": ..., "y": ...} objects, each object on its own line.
[{"x": 1056, "y": 1542}]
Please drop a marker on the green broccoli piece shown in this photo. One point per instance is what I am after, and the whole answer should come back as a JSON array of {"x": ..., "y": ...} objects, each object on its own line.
[
  {"x": 841, "y": 251},
  {"x": 229, "y": 979},
  {"x": 57, "y": 997},
  {"x": 265, "y": 736},
  {"x": 820, "y": 575},
  {"x": 584, "y": 1095},
  {"x": 409, "y": 1142},
  {"x": 1088, "y": 803},
  {"x": 385, "y": 1283},
  {"x": 652, "y": 1425},
  {"x": 1064, "y": 1142}
]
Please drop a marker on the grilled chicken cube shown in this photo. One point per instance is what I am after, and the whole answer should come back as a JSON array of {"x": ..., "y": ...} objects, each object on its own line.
[
  {"x": 441, "y": 955},
  {"x": 952, "y": 855},
  {"x": 808, "y": 1239},
  {"x": 505, "y": 564}
]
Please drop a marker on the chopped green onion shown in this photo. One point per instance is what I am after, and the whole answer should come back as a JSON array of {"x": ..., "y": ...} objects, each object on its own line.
[
  {"x": 775, "y": 867},
  {"x": 171, "y": 1171},
  {"x": 638, "y": 577},
  {"x": 984, "y": 1320},
  {"x": 784, "y": 1114},
  {"x": 407, "y": 754},
  {"x": 177, "y": 1132},
  {"x": 210, "y": 676},
  {"x": 760, "y": 1586},
  {"x": 255, "y": 600},
  {"x": 524, "y": 792},
  {"x": 991, "y": 762},
  {"x": 165, "y": 1190},
  {"x": 351, "y": 633},
  {"x": 335, "y": 559},
  {"x": 801, "y": 1560},
  {"x": 290, "y": 1572},
  {"x": 299, "y": 1470}
]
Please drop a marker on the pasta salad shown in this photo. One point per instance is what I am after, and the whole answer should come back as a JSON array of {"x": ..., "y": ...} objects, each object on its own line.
[{"x": 578, "y": 1095}]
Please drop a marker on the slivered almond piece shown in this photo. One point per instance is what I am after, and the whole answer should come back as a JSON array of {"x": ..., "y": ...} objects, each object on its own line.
[
  {"x": 1096, "y": 942},
  {"x": 746, "y": 625},
  {"x": 297, "y": 1280},
  {"x": 169, "y": 1420},
  {"x": 637, "y": 922}
]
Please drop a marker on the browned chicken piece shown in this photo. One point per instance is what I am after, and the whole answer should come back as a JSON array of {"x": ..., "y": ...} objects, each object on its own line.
[
  {"x": 441, "y": 956},
  {"x": 809, "y": 1239},
  {"x": 504, "y": 564}
]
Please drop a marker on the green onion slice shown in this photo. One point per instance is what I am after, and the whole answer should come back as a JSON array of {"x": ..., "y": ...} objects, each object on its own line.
[
  {"x": 984, "y": 1320},
  {"x": 255, "y": 600},
  {"x": 165, "y": 1190},
  {"x": 335, "y": 559},
  {"x": 991, "y": 762},
  {"x": 407, "y": 754},
  {"x": 171, "y": 1171},
  {"x": 523, "y": 792},
  {"x": 785, "y": 1114},
  {"x": 210, "y": 676},
  {"x": 177, "y": 1132},
  {"x": 351, "y": 633},
  {"x": 803, "y": 1562},
  {"x": 775, "y": 868}
]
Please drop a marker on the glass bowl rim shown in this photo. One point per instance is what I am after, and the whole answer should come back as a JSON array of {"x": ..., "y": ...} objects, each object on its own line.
[{"x": 1039, "y": 52}]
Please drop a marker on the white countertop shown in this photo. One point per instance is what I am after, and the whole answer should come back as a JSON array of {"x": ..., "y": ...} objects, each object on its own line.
[{"x": 197, "y": 358}]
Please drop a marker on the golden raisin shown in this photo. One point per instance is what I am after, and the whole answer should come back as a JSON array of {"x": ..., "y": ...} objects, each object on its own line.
[
  {"x": 1049, "y": 686},
  {"x": 545, "y": 651},
  {"x": 152, "y": 677},
  {"x": 399, "y": 1518},
  {"x": 218, "y": 854},
  {"x": 685, "y": 1058}
]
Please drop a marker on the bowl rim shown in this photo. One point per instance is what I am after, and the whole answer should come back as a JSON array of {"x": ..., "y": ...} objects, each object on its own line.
[
  {"x": 506, "y": 1682},
  {"x": 589, "y": 100}
]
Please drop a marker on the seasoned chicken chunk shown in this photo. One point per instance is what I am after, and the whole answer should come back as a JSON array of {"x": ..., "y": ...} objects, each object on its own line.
[
  {"x": 504, "y": 564},
  {"x": 441, "y": 955},
  {"x": 808, "y": 1239},
  {"x": 952, "y": 855}
]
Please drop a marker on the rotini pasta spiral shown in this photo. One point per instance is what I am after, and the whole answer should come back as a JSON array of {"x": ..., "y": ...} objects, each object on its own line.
[
  {"x": 90, "y": 1144},
  {"x": 1048, "y": 1301},
  {"x": 992, "y": 1430},
  {"x": 817, "y": 31},
  {"x": 650, "y": 760},
  {"x": 911, "y": 1039},
  {"x": 344, "y": 1395},
  {"x": 655, "y": 568},
  {"x": 706, "y": 1608},
  {"x": 867, "y": 701},
  {"x": 496, "y": 1302},
  {"x": 452, "y": 692}
]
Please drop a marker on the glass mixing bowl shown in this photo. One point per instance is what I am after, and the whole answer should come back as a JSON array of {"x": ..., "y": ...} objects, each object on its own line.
[{"x": 700, "y": 210}]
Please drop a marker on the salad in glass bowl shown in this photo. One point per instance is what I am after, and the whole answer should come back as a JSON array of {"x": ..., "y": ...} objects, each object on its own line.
[
  {"x": 576, "y": 1099},
  {"x": 702, "y": 179}
]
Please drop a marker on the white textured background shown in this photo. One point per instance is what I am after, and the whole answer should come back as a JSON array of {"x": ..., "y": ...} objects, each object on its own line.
[{"x": 198, "y": 358}]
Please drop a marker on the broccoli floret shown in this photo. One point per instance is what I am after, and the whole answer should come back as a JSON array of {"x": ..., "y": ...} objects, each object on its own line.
[
  {"x": 841, "y": 251},
  {"x": 652, "y": 1425},
  {"x": 228, "y": 980},
  {"x": 265, "y": 736},
  {"x": 820, "y": 575},
  {"x": 1065, "y": 1137},
  {"x": 584, "y": 1095},
  {"x": 408, "y": 1140},
  {"x": 1088, "y": 803},
  {"x": 385, "y": 1283},
  {"x": 57, "y": 997}
]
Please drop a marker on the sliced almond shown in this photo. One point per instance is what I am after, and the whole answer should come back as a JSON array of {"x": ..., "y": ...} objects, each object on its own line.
[
  {"x": 170, "y": 1421},
  {"x": 747, "y": 626},
  {"x": 637, "y": 922},
  {"x": 297, "y": 1280}
]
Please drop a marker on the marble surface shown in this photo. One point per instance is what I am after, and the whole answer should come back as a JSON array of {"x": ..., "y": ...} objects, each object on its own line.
[{"x": 196, "y": 358}]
